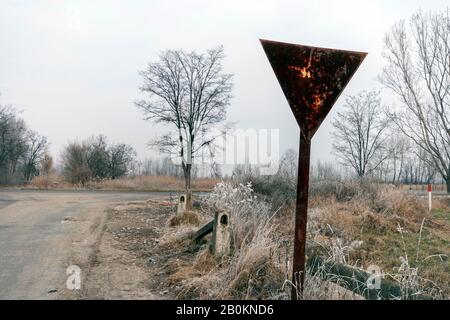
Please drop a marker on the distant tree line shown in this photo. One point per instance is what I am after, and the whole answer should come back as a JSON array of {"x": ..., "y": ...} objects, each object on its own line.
[
  {"x": 166, "y": 166},
  {"x": 95, "y": 159},
  {"x": 159, "y": 167},
  {"x": 23, "y": 152},
  {"x": 371, "y": 145}
]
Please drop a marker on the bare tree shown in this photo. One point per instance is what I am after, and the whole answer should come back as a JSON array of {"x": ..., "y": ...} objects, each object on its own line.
[
  {"x": 190, "y": 92},
  {"x": 359, "y": 134},
  {"x": 46, "y": 164},
  {"x": 418, "y": 72},
  {"x": 95, "y": 159},
  {"x": 416, "y": 169},
  {"x": 398, "y": 151},
  {"x": 325, "y": 171},
  {"x": 20, "y": 148},
  {"x": 36, "y": 150},
  {"x": 121, "y": 158},
  {"x": 97, "y": 156},
  {"x": 160, "y": 167},
  {"x": 13, "y": 133},
  {"x": 75, "y": 163},
  {"x": 288, "y": 167}
]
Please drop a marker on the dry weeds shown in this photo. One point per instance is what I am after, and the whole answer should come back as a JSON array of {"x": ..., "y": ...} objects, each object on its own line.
[
  {"x": 138, "y": 183},
  {"x": 359, "y": 228},
  {"x": 187, "y": 217}
]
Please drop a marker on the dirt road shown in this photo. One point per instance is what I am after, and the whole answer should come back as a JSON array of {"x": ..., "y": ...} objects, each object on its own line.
[{"x": 38, "y": 231}]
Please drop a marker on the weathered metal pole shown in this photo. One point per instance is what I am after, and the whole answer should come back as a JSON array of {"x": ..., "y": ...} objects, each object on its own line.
[{"x": 301, "y": 217}]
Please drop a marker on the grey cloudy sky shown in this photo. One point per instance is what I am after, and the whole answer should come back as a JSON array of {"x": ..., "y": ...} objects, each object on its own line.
[{"x": 71, "y": 66}]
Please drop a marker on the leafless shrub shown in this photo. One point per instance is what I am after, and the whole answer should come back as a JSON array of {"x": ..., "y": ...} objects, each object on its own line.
[
  {"x": 344, "y": 190},
  {"x": 394, "y": 201},
  {"x": 76, "y": 168},
  {"x": 360, "y": 133},
  {"x": 246, "y": 211},
  {"x": 94, "y": 159},
  {"x": 46, "y": 165}
]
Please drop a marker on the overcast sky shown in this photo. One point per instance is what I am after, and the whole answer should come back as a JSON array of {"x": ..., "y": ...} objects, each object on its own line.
[{"x": 72, "y": 66}]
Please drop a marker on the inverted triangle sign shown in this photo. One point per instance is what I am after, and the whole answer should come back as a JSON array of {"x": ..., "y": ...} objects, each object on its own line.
[{"x": 311, "y": 78}]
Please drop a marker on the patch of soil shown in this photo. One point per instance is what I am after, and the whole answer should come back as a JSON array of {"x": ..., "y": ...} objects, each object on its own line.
[{"x": 137, "y": 252}]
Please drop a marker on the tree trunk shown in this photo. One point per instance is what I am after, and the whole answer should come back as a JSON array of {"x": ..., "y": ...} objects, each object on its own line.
[
  {"x": 448, "y": 181},
  {"x": 187, "y": 180}
]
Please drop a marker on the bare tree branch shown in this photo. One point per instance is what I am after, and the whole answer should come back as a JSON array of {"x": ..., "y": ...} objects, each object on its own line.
[{"x": 418, "y": 71}]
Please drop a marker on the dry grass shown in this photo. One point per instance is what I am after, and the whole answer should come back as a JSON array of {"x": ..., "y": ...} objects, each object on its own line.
[
  {"x": 188, "y": 217},
  {"x": 258, "y": 266},
  {"x": 391, "y": 229},
  {"x": 152, "y": 183},
  {"x": 205, "y": 261},
  {"x": 249, "y": 272},
  {"x": 138, "y": 183},
  {"x": 394, "y": 201},
  {"x": 359, "y": 226},
  {"x": 51, "y": 181}
]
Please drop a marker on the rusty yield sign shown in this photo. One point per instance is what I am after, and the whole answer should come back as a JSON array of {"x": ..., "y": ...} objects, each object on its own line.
[{"x": 312, "y": 79}]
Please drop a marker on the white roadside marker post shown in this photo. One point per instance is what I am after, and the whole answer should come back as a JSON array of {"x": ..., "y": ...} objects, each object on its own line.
[{"x": 429, "y": 197}]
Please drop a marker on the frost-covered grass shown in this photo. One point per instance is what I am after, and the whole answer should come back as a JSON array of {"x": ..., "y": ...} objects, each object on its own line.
[{"x": 377, "y": 225}]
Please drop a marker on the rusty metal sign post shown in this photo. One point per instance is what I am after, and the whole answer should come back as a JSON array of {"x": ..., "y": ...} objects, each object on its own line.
[{"x": 312, "y": 79}]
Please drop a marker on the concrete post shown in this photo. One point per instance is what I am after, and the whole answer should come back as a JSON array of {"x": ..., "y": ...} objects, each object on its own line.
[
  {"x": 221, "y": 238},
  {"x": 181, "y": 204}
]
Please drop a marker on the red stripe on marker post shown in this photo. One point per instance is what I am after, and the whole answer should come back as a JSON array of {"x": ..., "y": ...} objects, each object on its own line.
[{"x": 429, "y": 197}]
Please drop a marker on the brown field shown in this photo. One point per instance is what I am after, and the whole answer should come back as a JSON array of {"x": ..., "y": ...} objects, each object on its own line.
[{"x": 138, "y": 183}]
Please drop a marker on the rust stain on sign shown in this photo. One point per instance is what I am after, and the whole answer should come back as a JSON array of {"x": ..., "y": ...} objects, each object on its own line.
[{"x": 311, "y": 78}]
